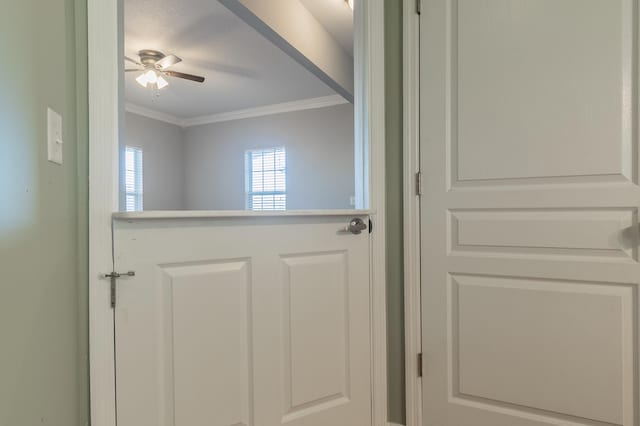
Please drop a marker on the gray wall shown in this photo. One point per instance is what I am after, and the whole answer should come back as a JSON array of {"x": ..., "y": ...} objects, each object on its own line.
[
  {"x": 202, "y": 167},
  {"x": 320, "y": 158},
  {"x": 163, "y": 160},
  {"x": 43, "y": 234},
  {"x": 395, "y": 294}
]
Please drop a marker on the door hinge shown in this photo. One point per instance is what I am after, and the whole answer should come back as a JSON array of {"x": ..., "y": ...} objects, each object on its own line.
[
  {"x": 113, "y": 276},
  {"x": 420, "y": 365},
  {"x": 419, "y": 183},
  {"x": 418, "y": 6}
]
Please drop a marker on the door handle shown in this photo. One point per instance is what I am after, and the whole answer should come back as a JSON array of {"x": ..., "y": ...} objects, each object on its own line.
[{"x": 356, "y": 226}]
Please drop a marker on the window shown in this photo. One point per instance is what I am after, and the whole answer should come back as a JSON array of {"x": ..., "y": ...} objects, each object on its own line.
[
  {"x": 133, "y": 179},
  {"x": 266, "y": 179}
]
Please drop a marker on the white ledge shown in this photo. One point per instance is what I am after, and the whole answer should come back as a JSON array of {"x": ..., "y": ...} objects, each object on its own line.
[{"x": 204, "y": 214}]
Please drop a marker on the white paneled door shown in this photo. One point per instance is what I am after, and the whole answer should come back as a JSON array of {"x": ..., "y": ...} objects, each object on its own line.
[
  {"x": 529, "y": 154},
  {"x": 242, "y": 321}
]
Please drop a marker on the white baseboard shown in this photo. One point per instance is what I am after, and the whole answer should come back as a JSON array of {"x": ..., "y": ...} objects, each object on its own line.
[{"x": 394, "y": 424}]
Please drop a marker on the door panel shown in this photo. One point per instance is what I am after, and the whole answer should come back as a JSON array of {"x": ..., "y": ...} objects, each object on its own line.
[
  {"x": 315, "y": 332},
  {"x": 529, "y": 212},
  {"x": 584, "y": 233},
  {"x": 563, "y": 339},
  {"x": 261, "y": 321},
  {"x": 215, "y": 294},
  {"x": 522, "y": 81}
]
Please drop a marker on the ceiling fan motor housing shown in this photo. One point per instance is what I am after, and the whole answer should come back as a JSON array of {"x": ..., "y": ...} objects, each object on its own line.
[{"x": 150, "y": 57}]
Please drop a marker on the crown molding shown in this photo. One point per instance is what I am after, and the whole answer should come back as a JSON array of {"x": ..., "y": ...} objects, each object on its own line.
[
  {"x": 153, "y": 114},
  {"x": 312, "y": 103}
]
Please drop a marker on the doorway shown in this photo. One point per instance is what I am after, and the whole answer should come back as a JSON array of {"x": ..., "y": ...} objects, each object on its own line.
[{"x": 104, "y": 167}]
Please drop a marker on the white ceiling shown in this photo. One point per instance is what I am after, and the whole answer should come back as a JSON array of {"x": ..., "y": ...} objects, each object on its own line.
[
  {"x": 242, "y": 68},
  {"x": 337, "y": 18}
]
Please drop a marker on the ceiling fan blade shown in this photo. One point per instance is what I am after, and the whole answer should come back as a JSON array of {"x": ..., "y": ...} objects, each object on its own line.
[
  {"x": 126, "y": 58},
  {"x": 167, "y": 61},
  {"x": 191, "y": 77}
]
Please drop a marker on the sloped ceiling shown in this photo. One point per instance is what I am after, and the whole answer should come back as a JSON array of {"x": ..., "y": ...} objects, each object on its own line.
[
  {"x": 242, "y": 69},
  {"x": 336, "y": 17}
]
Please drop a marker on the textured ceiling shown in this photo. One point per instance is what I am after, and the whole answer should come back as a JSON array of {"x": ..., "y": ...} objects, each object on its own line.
[{"x": 242, "y": 69}]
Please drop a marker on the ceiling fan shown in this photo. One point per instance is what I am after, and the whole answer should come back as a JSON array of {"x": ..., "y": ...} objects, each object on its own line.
[{"x": 155, "y": 66}]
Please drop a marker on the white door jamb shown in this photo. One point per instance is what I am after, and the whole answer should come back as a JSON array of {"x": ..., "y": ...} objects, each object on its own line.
[
  {"x": 411, "y": 168},
  {"x": 103, "y": 46}
]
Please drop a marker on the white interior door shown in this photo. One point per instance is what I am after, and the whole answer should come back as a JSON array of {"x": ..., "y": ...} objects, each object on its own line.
[
  {"x": 529, "y": 152},
  {"x": 244, "y": 321}
]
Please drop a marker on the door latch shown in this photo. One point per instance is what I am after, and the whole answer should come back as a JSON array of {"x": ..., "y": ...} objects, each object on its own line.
[{"x": 113, "y": 276}]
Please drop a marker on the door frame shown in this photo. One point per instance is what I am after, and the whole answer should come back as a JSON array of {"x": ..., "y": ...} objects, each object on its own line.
[
  {"x": 105, "y": 84},
  {"x": 411, "y": 209}
]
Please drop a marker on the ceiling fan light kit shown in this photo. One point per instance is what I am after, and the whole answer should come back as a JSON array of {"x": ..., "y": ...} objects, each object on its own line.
[
  {"x": 162, "y": 83},
  {"x": 155, "y": 66}
]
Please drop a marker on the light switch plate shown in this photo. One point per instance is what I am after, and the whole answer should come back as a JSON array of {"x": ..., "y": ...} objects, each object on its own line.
[{"x": 54, "y": 136}]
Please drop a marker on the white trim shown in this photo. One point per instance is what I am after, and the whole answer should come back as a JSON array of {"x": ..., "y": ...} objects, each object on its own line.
[
  {"x": 153, "y": 114},
  {"x": 103, "y": 74},
  {"x": 210, "y": 214},
  {"x": 301, "y": 105},
  {"x": 360, "y": 89},
  {"x": 313, "y": 103},
  {"x": 104, "y": 86},
  {"x": 394, "y": 424},
  {"x": 411, "y": 165},
  {"x": 369, "y": 63}
]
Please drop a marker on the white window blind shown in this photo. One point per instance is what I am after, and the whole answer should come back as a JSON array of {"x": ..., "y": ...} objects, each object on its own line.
[
  {"x": 266, "y": 179},
  {"x": 133, "y": 179}
]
